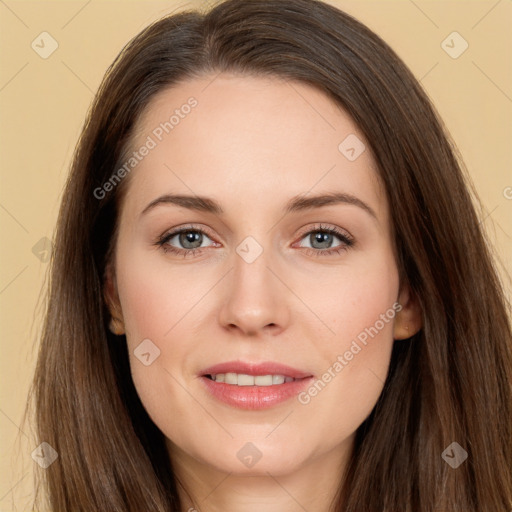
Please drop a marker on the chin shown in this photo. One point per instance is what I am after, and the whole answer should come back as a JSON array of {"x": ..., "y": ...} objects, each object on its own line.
[{"x": 254, "y": 458}]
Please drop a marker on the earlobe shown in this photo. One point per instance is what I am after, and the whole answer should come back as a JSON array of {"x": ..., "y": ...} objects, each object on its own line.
[
  {"x": 116, "y": 324},
  {"x": 408, "y": 320}
]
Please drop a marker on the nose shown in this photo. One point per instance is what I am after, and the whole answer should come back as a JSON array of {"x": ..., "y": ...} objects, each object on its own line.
[{"x": 255, "y": 302}]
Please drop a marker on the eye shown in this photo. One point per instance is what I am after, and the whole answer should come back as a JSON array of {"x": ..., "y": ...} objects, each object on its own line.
[
  {"x": 322, "y": 241},
  {"x": 185, "y": 241}
]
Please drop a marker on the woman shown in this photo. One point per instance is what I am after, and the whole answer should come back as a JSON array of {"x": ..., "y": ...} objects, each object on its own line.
[{"x": 270, "y": 290}]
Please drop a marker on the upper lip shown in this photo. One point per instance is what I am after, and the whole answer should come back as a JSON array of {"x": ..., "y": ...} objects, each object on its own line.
[{"x": 248, "y": 368}]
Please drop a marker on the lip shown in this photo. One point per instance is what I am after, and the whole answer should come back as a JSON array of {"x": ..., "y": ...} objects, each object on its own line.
[{"x": 255, "y": 397}]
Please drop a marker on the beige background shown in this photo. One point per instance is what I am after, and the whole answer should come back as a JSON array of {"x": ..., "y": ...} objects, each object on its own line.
[{"x": 43, "y": 103}]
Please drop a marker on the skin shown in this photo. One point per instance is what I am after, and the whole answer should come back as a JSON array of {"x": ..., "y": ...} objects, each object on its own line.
[{"x": 253, "y": 143}]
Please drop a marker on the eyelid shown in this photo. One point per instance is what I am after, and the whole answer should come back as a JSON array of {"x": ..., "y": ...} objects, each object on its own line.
[
  {"x": 329, "y": 228},
  {"x": 170, "y": 233}
]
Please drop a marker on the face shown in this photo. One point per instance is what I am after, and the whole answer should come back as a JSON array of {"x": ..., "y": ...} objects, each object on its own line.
[{"x": 248, "y": 280}]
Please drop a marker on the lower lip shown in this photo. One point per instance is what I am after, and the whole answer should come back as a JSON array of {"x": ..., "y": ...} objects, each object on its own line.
[{"x": 255, "y": 397}]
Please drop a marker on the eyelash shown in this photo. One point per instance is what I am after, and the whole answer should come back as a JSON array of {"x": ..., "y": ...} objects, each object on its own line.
[{"x": 347, "y": 241}]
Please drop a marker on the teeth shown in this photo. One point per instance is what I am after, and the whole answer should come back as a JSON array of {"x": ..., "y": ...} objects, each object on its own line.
[
  {"x": 245, "y": 380},
  {"x": 231, "y": 378},
  {"x": 278, "y": 379},
  {"x": 264, "y": 380},
  {"x": 241, "y": 379}
]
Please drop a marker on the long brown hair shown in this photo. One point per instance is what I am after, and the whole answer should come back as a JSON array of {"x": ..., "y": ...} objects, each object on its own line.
[{"x": 451, "y": 382}]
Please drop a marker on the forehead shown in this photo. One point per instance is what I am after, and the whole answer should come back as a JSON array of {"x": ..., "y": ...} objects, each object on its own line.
[{"x": 248, "y": 140}]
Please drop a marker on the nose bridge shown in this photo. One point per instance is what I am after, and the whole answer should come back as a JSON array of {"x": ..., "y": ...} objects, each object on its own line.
[
  {"x": 255, "y": 298},
  {"x": 252, "y": 279},
  {"x": 251, "y": 266}
]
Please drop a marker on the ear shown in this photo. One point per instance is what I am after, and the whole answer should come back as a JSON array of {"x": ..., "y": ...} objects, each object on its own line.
[
  {"x": 111, "y": 296},
  {"x": 408, "y": 320}
]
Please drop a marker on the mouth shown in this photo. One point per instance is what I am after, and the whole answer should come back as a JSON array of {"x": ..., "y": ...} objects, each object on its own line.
[{"x": 254, "y": 385}]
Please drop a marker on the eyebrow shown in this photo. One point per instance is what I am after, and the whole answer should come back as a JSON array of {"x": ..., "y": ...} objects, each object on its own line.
[{"x": 296, "y": 204}]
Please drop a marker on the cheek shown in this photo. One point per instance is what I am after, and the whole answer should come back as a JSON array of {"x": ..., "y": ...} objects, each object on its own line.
[
  {"x": 157, "y": 305},
  {"x": 352, "y": 299},
  {"x": 154, "y": 297},
  {"x": 359, "y": 307}
]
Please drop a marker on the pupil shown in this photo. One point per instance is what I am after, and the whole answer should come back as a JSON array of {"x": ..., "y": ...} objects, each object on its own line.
[
  {"x": 190, "y": 237},
  {"x": 324, "y": 239}
]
